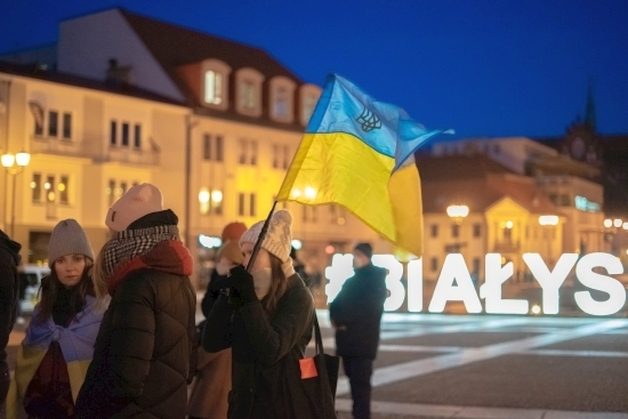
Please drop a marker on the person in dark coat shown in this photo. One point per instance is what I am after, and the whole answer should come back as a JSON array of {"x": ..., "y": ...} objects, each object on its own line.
[
  {"x": 144, "y": 349},
  {"x": 267, "y": 321},
  {"x": 356, "y": 314},
  {"x": 9, "y": 260}
]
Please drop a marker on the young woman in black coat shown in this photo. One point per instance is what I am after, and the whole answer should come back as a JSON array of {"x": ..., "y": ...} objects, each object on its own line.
[{"x": 267, "y": 321}]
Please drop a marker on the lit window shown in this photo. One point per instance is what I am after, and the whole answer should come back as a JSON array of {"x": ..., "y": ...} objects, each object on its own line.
[
  {"x": 63, "y": 187},
  {"x": 434, "y": 230},
  {"x": 49, "y": 186},
  {"x": 36, "y": 187},
  {"x": 213, "y": 87},
  {"x": 252, "y": 206}
]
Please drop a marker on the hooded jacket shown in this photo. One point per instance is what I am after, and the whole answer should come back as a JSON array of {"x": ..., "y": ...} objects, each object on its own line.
[{"x": 9, "y": 260}]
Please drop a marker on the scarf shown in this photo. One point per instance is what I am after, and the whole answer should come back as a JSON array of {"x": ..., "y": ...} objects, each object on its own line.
[
  {"x": 156, "y": 247},
  {"x": 76, "y": 339}
]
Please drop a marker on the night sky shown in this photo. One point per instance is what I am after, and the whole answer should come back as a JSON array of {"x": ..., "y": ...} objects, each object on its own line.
[{"x": 483, "y": 68}]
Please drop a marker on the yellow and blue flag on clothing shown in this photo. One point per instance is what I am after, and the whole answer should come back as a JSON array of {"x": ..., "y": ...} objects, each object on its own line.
[{"x": 359, "y": 153}]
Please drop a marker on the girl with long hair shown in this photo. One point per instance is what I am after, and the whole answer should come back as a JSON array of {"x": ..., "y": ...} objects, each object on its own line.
[
  {"x": 266, "y": 318},
  {"x": 58, "y": 347}
]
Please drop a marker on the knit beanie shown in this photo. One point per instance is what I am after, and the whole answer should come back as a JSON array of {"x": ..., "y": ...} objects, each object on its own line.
[
  {"x": 365, "y": 249},
  {"x": 278, "y": 239},
  {"x": 231, "y": 250},
  {"x": 68, "y": 238},
  {"x": 137, "y": 202},
  {"x": 233, "y": 231}
]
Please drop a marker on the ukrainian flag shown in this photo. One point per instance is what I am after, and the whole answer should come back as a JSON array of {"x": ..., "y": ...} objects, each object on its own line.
[{"x": 359, "y": 153}]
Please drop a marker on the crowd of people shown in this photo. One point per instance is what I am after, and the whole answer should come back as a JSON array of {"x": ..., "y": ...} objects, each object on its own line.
[{"x": 115, "y": 335}]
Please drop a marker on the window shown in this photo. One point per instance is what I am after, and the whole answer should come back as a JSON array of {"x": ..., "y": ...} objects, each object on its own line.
[
  {"x": 253, "y": 156},
  {"x": 113, "y": 132},
  {"x": 213, "y": 147},
  {"x": 281, "y": 105},
  {"x": 36, "y": 187},
  {"x": 248, "y": 96},
  {"x": 111, "y": 192},
  {"x": 137, "y": 140},
  {"x": 434, "y": 230},
  {"x": 219, "y": 148},
  {"x": 281, "y": 99},
  {"x": 125, "y": 134},
  {"x": 252, "y": 207},
  {"x": 38, "y": 117},
  {"x": 213, "y": 87},
  {"x": 53, "y": 123},
  {"x": 248, "y": 152},
  {"x": 63, "y": 187},
  {"x": 275, "y": 156},
  {"x": 286, "y": 156},
  {"x": 67, "y": 126},
  {"x": 241, "y": 204},
  {"x": 49, "y": 187},
  {"x": 309, "y": 214},
  {"x": 207, "y": 147},
  {"x": 434, "y": 264},
  {"x": 455, "y": 230},
  {"x": 476, "y": 266},
  {"x": 477, "y": 230}
]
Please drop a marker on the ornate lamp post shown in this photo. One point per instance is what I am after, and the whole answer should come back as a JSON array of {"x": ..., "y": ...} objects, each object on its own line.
[{"x": 14, "y": 164}]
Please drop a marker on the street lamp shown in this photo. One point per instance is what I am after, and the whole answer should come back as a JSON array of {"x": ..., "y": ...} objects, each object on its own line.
[{"x": 14, "y": 164}]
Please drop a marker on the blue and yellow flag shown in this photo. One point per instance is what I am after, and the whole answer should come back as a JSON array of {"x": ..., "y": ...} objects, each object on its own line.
[{"x": 358, "y": 152}]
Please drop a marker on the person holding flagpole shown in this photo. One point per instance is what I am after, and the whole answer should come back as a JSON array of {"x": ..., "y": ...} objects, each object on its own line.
[{"x": 267, "y": 320}]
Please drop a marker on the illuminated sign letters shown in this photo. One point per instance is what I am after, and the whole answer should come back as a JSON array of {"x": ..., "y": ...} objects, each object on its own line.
[{"x": 454, "y": 283}]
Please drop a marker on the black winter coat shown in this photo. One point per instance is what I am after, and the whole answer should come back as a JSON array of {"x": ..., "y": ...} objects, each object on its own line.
[
  {"x": 357, "y": 312},
  {"x": 9, "y": 260},
  {"x": 143, "y": 350},
  {"x": 265, "y": 352}
]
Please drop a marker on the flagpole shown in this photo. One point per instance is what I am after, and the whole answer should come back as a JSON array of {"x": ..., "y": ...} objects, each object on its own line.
[{"x": 260, "y": 239}]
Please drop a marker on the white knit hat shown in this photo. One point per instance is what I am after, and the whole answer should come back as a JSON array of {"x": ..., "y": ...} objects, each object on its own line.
[
  {"x": 278, "y": 239},
  {"x": 68, "y": 238},
  {"x": 137, "y": 202}
]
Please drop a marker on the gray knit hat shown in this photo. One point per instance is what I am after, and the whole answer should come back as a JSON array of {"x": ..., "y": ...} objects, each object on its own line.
[
  {"x": 278, "y": 239},
  {"x": 67, "y": 238}
]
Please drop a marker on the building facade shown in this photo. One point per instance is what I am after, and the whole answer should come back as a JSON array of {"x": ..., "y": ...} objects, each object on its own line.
[{"x": 213, "y": 123}]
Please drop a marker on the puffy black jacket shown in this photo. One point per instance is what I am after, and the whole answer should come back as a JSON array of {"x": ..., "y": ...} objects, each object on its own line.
[
  {"x": 142, "y": 353},
  {"x": 357, "y": 312},
  {"x": 9, "y": 259}
]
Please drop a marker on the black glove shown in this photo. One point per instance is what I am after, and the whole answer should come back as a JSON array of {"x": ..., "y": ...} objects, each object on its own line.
[
  {"x": 242, "y": 284},
  {"x": 218, "y": 283}
]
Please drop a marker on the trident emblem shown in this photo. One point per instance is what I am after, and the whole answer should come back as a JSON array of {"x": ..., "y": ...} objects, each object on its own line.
[{"x": 368, "y": 120}]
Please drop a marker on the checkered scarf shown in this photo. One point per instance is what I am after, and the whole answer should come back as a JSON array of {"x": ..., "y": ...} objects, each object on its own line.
[{"x": 129, "y": 244}]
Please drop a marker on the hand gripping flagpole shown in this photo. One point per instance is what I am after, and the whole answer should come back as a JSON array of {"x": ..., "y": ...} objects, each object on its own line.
[{"x": 260, "y": 239}]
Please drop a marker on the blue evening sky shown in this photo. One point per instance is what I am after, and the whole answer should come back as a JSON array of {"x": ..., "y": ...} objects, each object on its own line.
[{"x": 481, "y": 67}]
